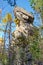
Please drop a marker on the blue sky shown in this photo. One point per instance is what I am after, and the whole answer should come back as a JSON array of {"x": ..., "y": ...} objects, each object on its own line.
[{"x": 6, "y": 8}]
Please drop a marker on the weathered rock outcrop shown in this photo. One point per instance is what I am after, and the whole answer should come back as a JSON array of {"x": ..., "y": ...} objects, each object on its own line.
[
  {"x": 25, "y": 28},
  {"x": 26, "y": 19},
  {"x": 23, "y": 15}
]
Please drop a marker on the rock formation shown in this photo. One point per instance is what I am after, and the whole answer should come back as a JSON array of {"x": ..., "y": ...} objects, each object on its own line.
[
  {"x": 25, "y": 24},
  {"x": 23, "y": 15},
  {"x": 23, "y": 29}
]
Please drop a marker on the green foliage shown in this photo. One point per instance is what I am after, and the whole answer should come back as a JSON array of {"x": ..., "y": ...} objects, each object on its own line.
[
  {"x": 38, "y": 6},
  {"x": 4, "y": 59},
  {"x": 41, "y": 27},
  {"x": 33, "y": 43}
]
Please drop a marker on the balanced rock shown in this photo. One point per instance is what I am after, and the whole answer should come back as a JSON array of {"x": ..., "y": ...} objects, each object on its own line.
[
  {"x": 23, "y": 15},
  {"x": 25, "y": 25},
  {"x": 24, "y": 28}
]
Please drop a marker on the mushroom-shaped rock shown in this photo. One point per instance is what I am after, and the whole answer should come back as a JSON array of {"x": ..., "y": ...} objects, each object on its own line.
[{"x": 23, "y": 15}]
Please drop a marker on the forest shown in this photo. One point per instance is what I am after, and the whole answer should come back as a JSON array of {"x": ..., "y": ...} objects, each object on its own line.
[{"x": 21, "y": 32}]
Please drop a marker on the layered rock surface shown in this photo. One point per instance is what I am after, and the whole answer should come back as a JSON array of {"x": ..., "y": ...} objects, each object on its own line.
[
  {"x": 25, "y": 28},
  {"x": 26, "y": 19}
]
